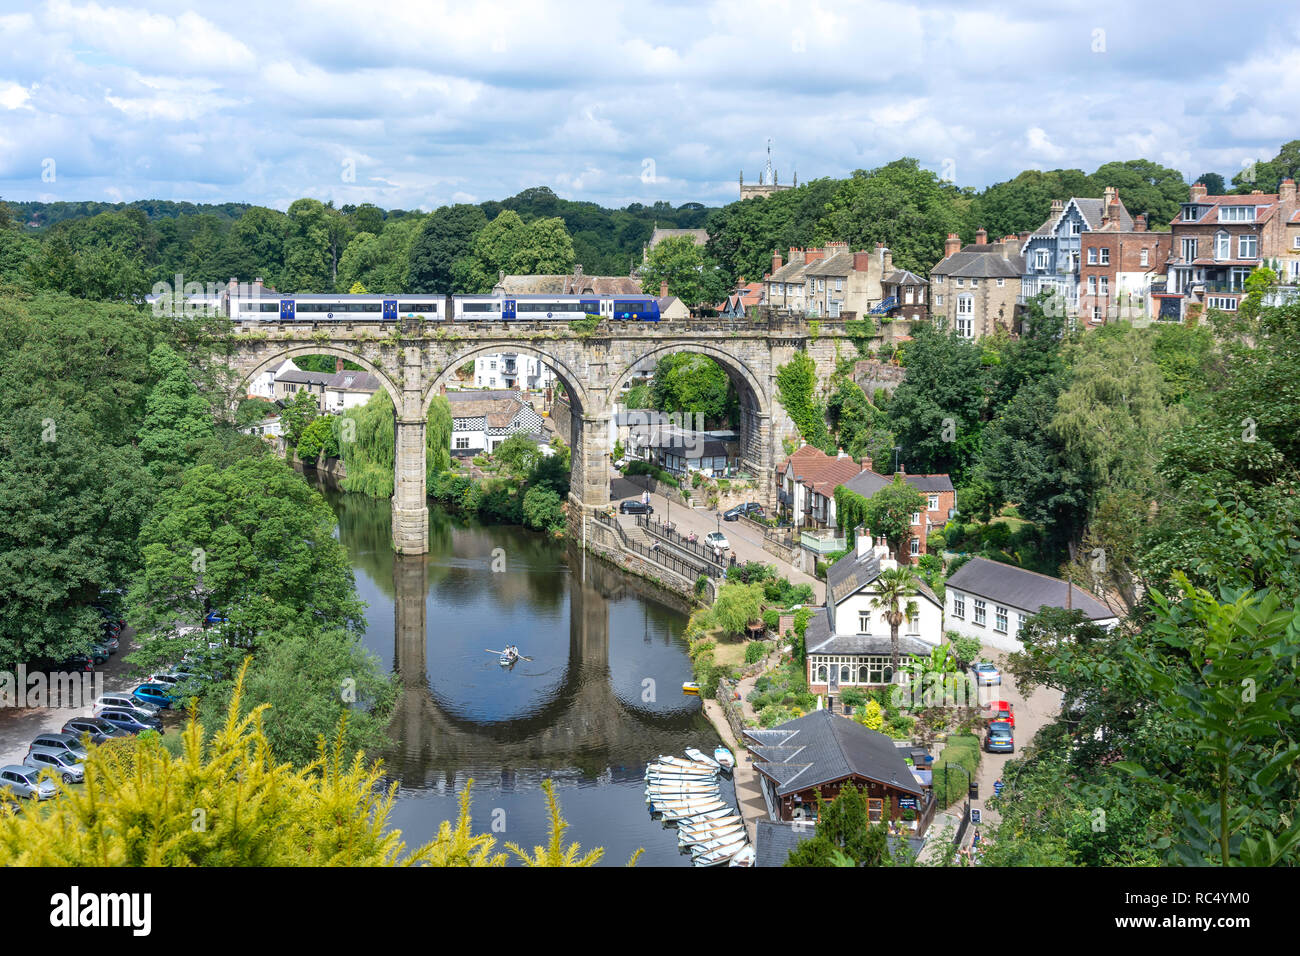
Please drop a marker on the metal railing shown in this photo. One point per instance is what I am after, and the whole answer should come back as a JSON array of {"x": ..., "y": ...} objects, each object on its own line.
[
  {"x": 661, "y": 556},
  {"x": 669, "y": 533}
]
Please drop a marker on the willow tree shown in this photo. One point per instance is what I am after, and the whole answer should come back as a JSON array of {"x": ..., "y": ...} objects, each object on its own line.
[{"x": 367, "y": 440}]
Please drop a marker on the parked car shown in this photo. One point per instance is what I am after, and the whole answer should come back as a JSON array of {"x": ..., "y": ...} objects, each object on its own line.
[
  {"x": 62, "y": 762},
  {"x": 129, "y": 719},
  {"x": 75, "y": 663},
  {"x": 96, "y": 728},
  {"x": 1001, "y": 710},
  {"x": 99, "y": 654},
  {"x": 751, "y": 508},
  {"x": 112, "y": 642},
  {"x": 52, "y": 741},
  {"x": 998, "y": 739},
  {"x": 635, "y": 506},
  {"x": 127, "y": 701},
  {"x": 26, "y": 782},
  {"x": 716, "y": 539},
  {"x": 986, "y": 675},
  {"x": 157, "y": 694}
]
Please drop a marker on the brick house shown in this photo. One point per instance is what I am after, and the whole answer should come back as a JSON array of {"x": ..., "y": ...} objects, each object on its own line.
[
  {"x": 936, "y": 490},
  {"x": 1119, "y": 268},
  {"x": 974, "y": 288},
  {"x": 829, "y": 281},
  {"x": 1217, "y": 241},
  {"x": 906, "y": 296},
  {"x": 806, "y": 483},
  {"x": 1053, "y": 252}
]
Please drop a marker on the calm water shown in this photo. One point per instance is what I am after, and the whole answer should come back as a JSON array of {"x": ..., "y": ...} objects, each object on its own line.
[{"x": 601, "y": 696}]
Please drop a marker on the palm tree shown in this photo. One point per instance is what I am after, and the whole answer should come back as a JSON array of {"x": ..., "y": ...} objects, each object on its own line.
[{"x": 894, "y": 589}]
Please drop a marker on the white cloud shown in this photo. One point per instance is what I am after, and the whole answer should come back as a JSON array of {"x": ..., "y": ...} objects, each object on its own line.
[{"x": 13, "y": 96}]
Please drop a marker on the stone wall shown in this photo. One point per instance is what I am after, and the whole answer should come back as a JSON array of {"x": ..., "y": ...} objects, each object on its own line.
[{"x": 561, "y": 413}]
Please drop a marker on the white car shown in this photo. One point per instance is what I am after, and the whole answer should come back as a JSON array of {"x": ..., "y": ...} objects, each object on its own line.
[{"x": 716, "y": 539}]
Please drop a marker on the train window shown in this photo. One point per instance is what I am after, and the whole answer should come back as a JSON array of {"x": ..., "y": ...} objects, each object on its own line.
[
  {"x": 420, "y": 307},
  {"x": 480, "y": 307}
]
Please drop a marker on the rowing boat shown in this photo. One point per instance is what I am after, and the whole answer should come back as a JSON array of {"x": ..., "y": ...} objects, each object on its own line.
[
  {"x": 724, "y": 757},
  {"x": 700, "y": 757},
  {"x": 744, "y": 858},
  {"x": 737, "y": 839},
  {"x": 696, "y": 839},
  {"x": 701, "y": 818},
  {"x": 690, "y": 764},
  {"x": 677, "y": 770},
  {"x": 717, "y": 823},
  {"x": 717, "y": 855},
  {"x": 677, "y": 811}
]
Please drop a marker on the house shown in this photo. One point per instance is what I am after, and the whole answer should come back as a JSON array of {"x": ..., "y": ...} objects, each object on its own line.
[
  {"x": 266, "y": 428},
  {"x": 848, "y": 642},
  {"x": 989, "y": 600},
  {"x": 745, "y": 296},
  {"x": 974, "y": 288},
  {"x": 576, "y": 284},
  {"x": 906, "y": 296},
  {"x": 820, "y": 753},
  {"x": 263, "y": 385},
  {"x": 348, "y": 389},
  {"x": 482, "y": 420},
  {"x": 806, "y": 483},
  {"x": 680, "y": 451},
  {"x": 1053, "y": 253},
  {"x": 829, "y": 281},
  {"x": 1119, "y": 269},
  {"x": 936, "y": 491},
  {"x": 637, "y": 429},
  {"x": 295, "y": 380},
  {"x": 1217, "y": 241},
  {"x": 512, "y": 370}
]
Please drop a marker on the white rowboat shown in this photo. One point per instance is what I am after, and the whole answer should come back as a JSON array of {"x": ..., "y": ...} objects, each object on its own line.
[
  {"x": 724, "y": 757},
  {"x": 720, "y": 855},
  {"x": 687, "y": 839},
  {"x": 717, "y": 823},
  {"x": 700, "y": 757},
  {"x": 744, "y": 858}
]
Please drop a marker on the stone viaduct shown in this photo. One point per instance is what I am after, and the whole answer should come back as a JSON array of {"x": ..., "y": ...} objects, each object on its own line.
[{"x": 414, "y": 359}]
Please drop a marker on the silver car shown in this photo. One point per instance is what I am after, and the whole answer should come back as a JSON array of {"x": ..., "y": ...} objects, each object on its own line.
[
  {"x": 62, "y": 762},
  {"x": 51, "y": 741},
  {"x": 26, "y": 782},
  {"x": 124, "y": 701}
]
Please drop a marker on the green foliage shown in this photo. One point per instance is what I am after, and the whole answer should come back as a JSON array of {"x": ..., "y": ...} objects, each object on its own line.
[
  {"x": 508, "y": 244},
  {"x": 691, "y": 275},
  {"x": 844, "y": 829},
  {"x": 177, "y": 422},
  {"x": 755, "y": 651},
  {"x": 369, "y": 454},
  {"x": 297, "y": 415},
  {"x": 654, "y": 471},
  {"x": 694, "y": 385},
  {"x": 737, "y": 605},
  {"x": 955, "y": 767},
  {"x": 444, "y": 238},
  {"x": 543, "y": 510},
  {"x": 796, "y": 386},
  {"x": 318, "y": 440}
]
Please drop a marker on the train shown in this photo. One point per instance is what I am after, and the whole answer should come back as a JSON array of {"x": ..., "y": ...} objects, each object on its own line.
[{"x": 493, "y": 307}]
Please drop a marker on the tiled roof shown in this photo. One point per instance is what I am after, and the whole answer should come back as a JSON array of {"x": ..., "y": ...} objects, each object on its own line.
[
  {"x": 499, "y": 407},
  {"x": 851, "y": 573},
  {"x": 774, "y": 841},
  {"x": 1016, "y": 587},
  {"x": 1266, "y": 205},
  {"x": 982, "y": 262},
  {"x": 833, "y": 748},
  {"x": 868, "y": 483},
  {"x": 1092, "y": 211},
  {"x": 820, "y": 472}
]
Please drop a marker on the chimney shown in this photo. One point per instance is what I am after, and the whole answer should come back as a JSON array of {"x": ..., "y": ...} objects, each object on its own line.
[
  {"x": 663, "y": 288},
  {"x": 338, "y": 365},
  {"x": 981, "y": 236},
  {"x": 740, "y": 280},
  {"x": 776, "y": 261},
  {"x": 866, "y": 463},
  {"x": 1109, "y": 195},
  {"x": 577, "y": 271},
  {"x": 257, "y": 286},
  {"x": 886, "y": 261},
  {"x": 1198, "y": 191},
  {"x": 841, "y": 454},
  {"x": 861, "y": 261},
  {"x": 1286, "y": 190},
  {"x": 1140, "y": 222},
  {"x": 1257, "y": 192},
  {"x": 813, "y": 255},
  {"x": 952, "y": 245},
  {"x": 862, "y": 542}
]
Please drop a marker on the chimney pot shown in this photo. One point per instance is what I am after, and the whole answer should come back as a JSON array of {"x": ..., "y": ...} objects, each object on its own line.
[
  {"x": 1198, "y": 191},
  {"x": 981, "y": 236},
  {"x": 952, "y": 245}
]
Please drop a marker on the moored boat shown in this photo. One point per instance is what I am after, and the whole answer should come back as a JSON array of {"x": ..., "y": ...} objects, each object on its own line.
[
  {"x": 693, "y": 839},
  {"x": 724, "y": 758},
  {"x": 717, "y": 823},
  {"x": 744, "y": 858},
  {"x": 690, "y": 764},
  {"x": 690, "y": 687},
  {"x": 718, "y": 855},
  {"x": 700, "y": 757},
  {"x": 674, "y": 811}
]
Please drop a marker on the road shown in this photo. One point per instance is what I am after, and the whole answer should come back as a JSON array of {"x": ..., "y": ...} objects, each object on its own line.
[{"x": 746, "y": 542}]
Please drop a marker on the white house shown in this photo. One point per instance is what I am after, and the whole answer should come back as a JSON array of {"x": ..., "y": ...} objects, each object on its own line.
[
  {"x": 263, "y": 385},
  {"x": 848, "y": 642},
  {"x": 512, "y": 370},
  {"x": 989, "y": 600},
  {"x": 481, "y": 420},
  {"x": 266, "y": 428},
  {"x": 348, "y": 389}
]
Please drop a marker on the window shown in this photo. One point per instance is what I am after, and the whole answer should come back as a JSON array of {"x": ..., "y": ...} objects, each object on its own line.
[
  {"x": 1222, "y": 245},
  {"x": 916, "y": 517},
  {"x": 938, "y": 280},
  {"x": 492, "y": 364},
  {"x": 844, "y": 674},
  {"x": 875, "y": 809},
  {"x": 864, "y": 622},
  {"x": 821, "y": 673},
  {"x": 1247, "y": 247},
  {"x": 974, "y": 283},
  {"x": 1092, "y": 257},
  {"x": 1188, "y": 249},
  {"x": 1075, "y": 227},
  {"x": 1295, "y": 243},
  {"x": 979, "y": 612},
  {"x": 1226, "y": 303},
  {"x": 965, "y": 316},
  {"x": 1146, "y": 257},
  {"x": 916, "y": 546},
  {"x": 821, "y": 285},
  {"x": 1001, "y": 283},
  {"x": 1000, "y": 620},
  {"x": 1105, "y": 256},
  {"x": 462, "y": 443},
  {"x": 933, "y": 503},
  {"x": 839, "y": 285},
  {"x": 1096, "y": 313},
  {"x": 938, "y": 300},
  {"x": 1092, "y": 285},
  {"x": 1191, "y": 213},
  {"x": 1041, "y": 259},
  {"x": 1105, "y": 285},
  {"x": 960, "y": 282},
  {"x": 1236, "y": 214},
  {"x": 959, "y": 605}
]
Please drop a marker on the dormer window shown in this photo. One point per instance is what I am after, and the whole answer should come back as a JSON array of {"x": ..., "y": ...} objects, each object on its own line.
[
  {"x": 1236, "y": 214},
  {"x": 1191, "y": 213},
  {"x": 1041, "y": 259}
]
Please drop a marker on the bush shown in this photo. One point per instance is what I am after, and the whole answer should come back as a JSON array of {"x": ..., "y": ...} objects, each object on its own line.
[
  {"x": 962, "y": 756},
  {"x": 646, "y": 468},
  {"x": 755, "y": 651},
  {"x": 771, "y": 619}
]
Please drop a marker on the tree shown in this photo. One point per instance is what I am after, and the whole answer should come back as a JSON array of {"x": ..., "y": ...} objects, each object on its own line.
[
  {"x": 555, "y": 853},
  {"x": 1023, "y": 203},
  {"x": 255, "y": 811},
  {"x": 796, "y": 390},
  {"x": 254, "y": 248},
  {"x": 1144, "y": 187},
  {"x": 444, "y": 237},
  {"x": 845, "y": 835},
  {"x": 380, "y": 263},
  {"x": 297, "y": 415},
  {"x": 509, "y": 245},
  {"x": 694, "y": 386},
  {"x": 1267, "y": 175},
  {"x": 177, "y": 421},
  {"x": 309, "y": 247},
  {"x": 889, "y": 515},
  {"x": 1213, "y": 183},
  {"x": 689, "y": 274},
  {"x": 737, "y": 606},
  {"x": 318, "y": 440},
  {"x": 252, "y": 540},
  {"x": 895, "y": 588},
  {"x": 544, "y": 510},
  {"x": 518, "y": 453}
]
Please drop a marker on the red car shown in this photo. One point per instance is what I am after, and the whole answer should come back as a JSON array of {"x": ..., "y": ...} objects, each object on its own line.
[{"x": 1001, "y": 710}]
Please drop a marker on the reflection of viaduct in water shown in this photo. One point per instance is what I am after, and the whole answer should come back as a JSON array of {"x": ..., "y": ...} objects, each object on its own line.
[{"x": 582, "y": 724}]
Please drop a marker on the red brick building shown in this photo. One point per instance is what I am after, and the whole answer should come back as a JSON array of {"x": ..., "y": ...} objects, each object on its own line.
[
  {"x": 936, "y": 491},
  {"x": 1117, "y": 267}
]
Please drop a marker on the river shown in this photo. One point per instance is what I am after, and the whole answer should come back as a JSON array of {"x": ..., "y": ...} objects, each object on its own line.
[{"x": 600, "y": 697}]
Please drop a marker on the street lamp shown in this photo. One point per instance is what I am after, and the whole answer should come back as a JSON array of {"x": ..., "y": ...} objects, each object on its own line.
[{"x": 897, "y": 449}]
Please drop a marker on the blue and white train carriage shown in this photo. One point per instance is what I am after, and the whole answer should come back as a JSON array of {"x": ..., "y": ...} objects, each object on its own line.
[{"x": 455, "y": 308}]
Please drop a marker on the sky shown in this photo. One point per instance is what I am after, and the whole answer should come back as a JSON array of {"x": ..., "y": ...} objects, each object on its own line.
[{"x": 416, "y": 105}]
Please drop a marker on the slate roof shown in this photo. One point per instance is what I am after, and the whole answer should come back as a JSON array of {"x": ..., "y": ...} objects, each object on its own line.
[
  {"x": 1016, "y": 587},
  {"x": 774, "y": 840},
  {"x": 297, "y": 375},
  {"x": 903, "y": 277},
  {"x": 982, "y": 262},
  {"x": 1092, "y": 211},
  {"x": 831, "y": 748},
  {"x": 851, "y": 573},
  {"x": 499, "y": 406},
  {"x": 868, "y": 483},
  {"x": 787, "y": 273},
  {"x": 695, "y": 445},
  {"x": 353, "y": 381},
  {"x": 840, "y": 264},
  {"x": 1265, "y": 206}
]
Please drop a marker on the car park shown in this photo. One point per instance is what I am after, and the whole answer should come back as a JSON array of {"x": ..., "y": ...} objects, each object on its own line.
[
  {"x": 1001, "y": 710},
  {"x": 127, "y": 701},
  {"x": 97, "y": 729},
  {"x": 998, "y": 738},
  {"x": 59, "y": 741},
  {"x": 986, "y": 674},
  {"x": 129, "y": 719},
  {"x": 750, "y": 508},
  {"x": 26, "y": 782},
  {"x": 157, "y": 694},
  {"x": 716, "y": 539},
  {"x": 61, "y": 762},
  {"x": 635, "y": 506}
]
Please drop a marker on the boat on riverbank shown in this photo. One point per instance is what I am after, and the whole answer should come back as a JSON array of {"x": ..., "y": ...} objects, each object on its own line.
[
  {"x": 702, "y": 758},
  {"x": 724, "y": 758}
]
